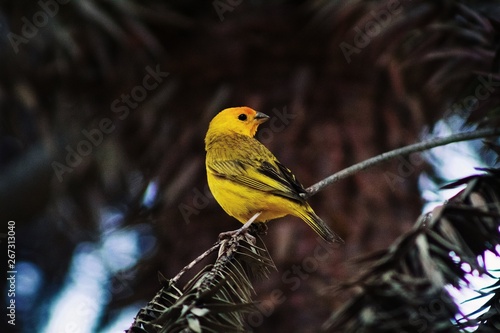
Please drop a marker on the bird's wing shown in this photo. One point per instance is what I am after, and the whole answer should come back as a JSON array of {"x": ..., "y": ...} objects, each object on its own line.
[
  {"x": 267, "y": 175},
  {"x": 284, "y": 176}
]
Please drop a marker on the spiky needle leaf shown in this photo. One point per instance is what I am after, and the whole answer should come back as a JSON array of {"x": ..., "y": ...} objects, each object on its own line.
[
  {"x": 402, "y": 288},
  {"x": 217, "y": 298}
]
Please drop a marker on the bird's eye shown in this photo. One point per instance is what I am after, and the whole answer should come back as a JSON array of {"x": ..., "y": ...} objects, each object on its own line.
[{"x": 242, "y": 117}]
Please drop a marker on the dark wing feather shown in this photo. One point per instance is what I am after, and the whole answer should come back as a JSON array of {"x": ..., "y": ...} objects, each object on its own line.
[
  {"x": 284, "y": 176},
  {"x": 262, "y": 173}
]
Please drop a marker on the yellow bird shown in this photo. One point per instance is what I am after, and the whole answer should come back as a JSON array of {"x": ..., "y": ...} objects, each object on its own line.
[{"x": 246, "y": 178}]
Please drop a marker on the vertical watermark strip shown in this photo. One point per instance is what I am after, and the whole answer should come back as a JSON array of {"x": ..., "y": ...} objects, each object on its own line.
[{"x": 11, "y": 273}]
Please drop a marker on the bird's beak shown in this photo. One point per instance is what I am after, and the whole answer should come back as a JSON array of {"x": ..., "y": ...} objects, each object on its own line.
[{"x": 261, "y": 117}]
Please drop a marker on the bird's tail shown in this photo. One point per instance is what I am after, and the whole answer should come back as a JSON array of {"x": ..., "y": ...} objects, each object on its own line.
[{"x": 320, "y": 227}]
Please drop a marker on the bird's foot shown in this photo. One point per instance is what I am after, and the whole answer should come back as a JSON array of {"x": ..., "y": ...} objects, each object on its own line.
[
  {"x": 229, "y": 234},
  {"x": 244, "y": 232}
]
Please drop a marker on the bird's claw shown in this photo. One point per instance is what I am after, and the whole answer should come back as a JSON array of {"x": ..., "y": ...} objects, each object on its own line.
[{"x": 228, "y": 234}]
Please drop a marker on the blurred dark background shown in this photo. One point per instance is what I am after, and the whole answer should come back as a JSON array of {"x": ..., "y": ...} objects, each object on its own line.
[{"x": 103, "y": 110}]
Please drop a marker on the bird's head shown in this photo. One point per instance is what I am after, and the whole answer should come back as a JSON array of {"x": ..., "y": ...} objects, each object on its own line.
[{"x": 241, "y": 120}]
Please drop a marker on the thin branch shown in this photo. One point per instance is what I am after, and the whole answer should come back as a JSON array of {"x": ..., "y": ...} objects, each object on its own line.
[
  {"x": 195, "y": 261},
  {"x": 312, "y": 190}
]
